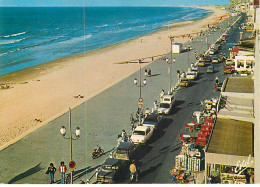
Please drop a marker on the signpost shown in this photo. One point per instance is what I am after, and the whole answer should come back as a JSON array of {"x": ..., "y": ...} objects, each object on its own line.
[{"x": 72, "y": 164}]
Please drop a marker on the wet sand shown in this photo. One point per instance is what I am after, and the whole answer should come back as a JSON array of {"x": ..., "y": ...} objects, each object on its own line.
[{"x": 41, "y": 93}]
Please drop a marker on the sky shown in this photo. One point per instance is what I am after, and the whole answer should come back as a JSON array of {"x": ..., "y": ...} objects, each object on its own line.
[{"x": 81, "y": 3}]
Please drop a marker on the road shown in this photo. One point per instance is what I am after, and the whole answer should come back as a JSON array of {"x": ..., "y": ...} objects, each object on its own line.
[{"x": 104, "y": 116}]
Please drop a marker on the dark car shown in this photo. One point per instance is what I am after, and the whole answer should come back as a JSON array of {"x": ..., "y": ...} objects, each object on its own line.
[
  {"x": 219, "y": 86},
  {"x": 152, "y": 120},
  {"x": 125, "y": 151},
  {"x": 207, "y": 58},
  {"x": 112, "y": 171}
]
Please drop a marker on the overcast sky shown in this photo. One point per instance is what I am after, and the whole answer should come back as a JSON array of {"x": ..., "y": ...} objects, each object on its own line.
[{"x": 80, "y": 3}]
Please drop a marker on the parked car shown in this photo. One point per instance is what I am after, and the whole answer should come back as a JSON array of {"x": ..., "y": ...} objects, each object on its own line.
[
  {"x": 185, "y": 82},
  {"x": 207, "y": 58},
  {"x": 244, "y": 73},
  {"x": 210, "y": 69},
  {"x": 194, "y": 68},
  {"x": 230, "y": 62},
  {"x": 112, "y": 170},
  {"x": 219, "y": 86},
  {"x": 201, "y": 63},
  {"x": 166, "y": 104},
  {"x": 215, "y": 60},
  {"x": 152, "y": 120},
  {"x": 228, "y": 69},
  {"x": 125, "y": 151},
  {"x": 141, "y": 135},
  {"x": 164, "y": 108},
  {"x": 192, "y": 75},
  {"x": 212, "y": 51}
]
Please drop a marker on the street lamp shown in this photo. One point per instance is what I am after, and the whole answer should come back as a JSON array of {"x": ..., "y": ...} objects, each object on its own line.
[
  {"x": 170, "y": 72},
  {"x": 140, "y": 101},
  {"x": 189, "y": 47},
  {"x": 77, "y": 135}
]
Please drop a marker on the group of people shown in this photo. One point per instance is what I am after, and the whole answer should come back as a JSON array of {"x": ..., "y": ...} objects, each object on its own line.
[
  {"x": 148, "y": 73},
  {"x": 62, "y": 170}
]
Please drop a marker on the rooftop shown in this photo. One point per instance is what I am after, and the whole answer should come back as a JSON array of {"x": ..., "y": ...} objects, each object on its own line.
[
  {"x": 239, "y": 85},
  {"x": 232, "y": 137}
]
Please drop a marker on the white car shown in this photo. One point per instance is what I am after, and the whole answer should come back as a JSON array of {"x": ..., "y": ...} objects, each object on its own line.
[
  {"x": 166, "y": 103},
  {"x": 191, "y": 75},
  {"x": 194, "y": 68},
  {"x": 164, "y": 108},
  {"x": 141, "y": 134},
  {"x": 215, "y": 60}
]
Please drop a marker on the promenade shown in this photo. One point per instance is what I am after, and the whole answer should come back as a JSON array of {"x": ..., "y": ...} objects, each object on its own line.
[{"x": 104, "y": 116}]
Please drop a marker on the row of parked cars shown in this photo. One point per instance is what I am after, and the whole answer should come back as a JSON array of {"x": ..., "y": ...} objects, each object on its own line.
[{"x": 116, "y": 168}]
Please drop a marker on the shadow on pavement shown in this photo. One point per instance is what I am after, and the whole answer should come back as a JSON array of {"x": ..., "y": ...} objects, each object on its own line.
[
  {"x": 178, "y": 102},
  {"x": 150, "y": 170},
  {"x": 142, "y": 151},
  {"x": 30, "y": 171},
  {"x": 156, "y": 136},
  {"x": 164, "y": 123},
  {"x": 155, "y": 75}
]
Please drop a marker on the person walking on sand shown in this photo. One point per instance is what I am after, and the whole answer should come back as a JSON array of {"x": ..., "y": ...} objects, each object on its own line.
[
  {"x": 51, "y": 170},
  {"x": 62, "y": 170}
]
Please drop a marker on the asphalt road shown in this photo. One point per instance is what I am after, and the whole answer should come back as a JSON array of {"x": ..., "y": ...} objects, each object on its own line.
[{"x": 103, "y": 117}]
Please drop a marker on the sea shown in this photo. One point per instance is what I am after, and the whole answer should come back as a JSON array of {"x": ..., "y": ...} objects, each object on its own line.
[{"x": 30, "y": 36}]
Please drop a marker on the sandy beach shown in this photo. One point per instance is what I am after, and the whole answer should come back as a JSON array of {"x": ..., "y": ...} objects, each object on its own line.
[{"x": 39, "y": 94}]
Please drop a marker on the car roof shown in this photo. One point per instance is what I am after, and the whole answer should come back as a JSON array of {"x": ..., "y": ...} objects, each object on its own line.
[
  {"x": 124, "y": 145},
  {"x": 151, "y": 117},
  {"x": 168, "y": 96},
  {"x": 111, "y": 161},
  {"x": 143, "y": 128}
]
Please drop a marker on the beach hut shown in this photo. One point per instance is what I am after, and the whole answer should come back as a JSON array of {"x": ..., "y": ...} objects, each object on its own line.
[{"x": 177, "y": 47}]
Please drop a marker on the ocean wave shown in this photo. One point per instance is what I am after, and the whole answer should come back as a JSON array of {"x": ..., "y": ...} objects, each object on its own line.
[
  {"x": 76, "y": 39},
  {"x": 140, "y": 26},
  {"x": 26, "y": 47},
  {"x": 12, "y": 35},
  {"x": 119, "y": 23},
  {"x": 122, "y": 30},
  {"x": 102, "y": 25},
  {"x": 6, "y": 42}
]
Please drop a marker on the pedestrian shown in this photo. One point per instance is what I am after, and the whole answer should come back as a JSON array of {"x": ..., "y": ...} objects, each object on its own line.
[
  {"x": 123, "y": 135},
  {"x": 62, "y": 170},
  {"x": 133, "y": 171},
  {"x": 155, "y": 105},
  {"x": 217, "y": 80},
  {"x": 149, "y": 72},
  {"x": 215, "y": 87},
  {"x": 147, "y": 112},
  {"x": 51, "y": 170},
  {"x": 145, "y": 72}
]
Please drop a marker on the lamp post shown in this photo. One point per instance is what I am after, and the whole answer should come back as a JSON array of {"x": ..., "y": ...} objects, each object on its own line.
[
  {"x": 199, "y": 41},
  {"x": 140, "y": 101},
  {"x": 170, "y": 71},
  {"x": 189, "y": 47},
  {"x": 77, "y": 135}
]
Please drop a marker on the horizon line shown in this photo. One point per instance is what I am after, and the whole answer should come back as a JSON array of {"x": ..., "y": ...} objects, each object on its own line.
[{"x": 109, "y": 6}]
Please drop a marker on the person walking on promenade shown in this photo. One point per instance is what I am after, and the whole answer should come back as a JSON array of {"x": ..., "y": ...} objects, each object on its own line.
[
  {"x": 51, "y": 170},
  {"x": 133, "y": 171},
  {"x": 215, "y": 88},
  {"x": 149, "y": 72},
  {"x": 217, "y": 80},
  {"x": 145, "y": 72},
  {"x": 62, "y": 170}
]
